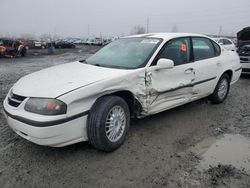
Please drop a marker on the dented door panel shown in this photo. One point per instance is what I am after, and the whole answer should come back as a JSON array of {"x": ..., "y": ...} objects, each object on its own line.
[{"x": 167, "y": 88}]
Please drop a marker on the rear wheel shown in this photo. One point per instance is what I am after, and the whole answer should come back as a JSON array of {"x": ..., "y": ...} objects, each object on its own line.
[
  {"x": 221, "y": 91},
  {"x": 108, "y": 123}
]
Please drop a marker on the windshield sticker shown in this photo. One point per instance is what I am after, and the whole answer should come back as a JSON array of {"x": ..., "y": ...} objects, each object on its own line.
[
  {"x": 150, "y": 41},
  {"x": 184, "y": 47}
]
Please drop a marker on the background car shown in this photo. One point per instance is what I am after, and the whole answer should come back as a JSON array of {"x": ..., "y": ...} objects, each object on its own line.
[
  {"x": 226, "y": 43},
  {"x": 244, "y": 53},
  {"x": 13, "y": 48},
  {"x": 2, "y": 50},
  {"x": 243, "y": 38},
  {"x": 33, "y": 44},
  {"x": 64, "y": 44}
]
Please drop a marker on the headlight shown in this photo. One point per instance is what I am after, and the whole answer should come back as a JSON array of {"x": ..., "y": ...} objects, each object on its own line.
[{"x": 45, "y": 106}]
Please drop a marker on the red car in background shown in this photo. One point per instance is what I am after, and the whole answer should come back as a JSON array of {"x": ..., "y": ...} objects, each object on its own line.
[
  {"x": 12, "y": 48},
  {"x": 2, "y": 50},
  {"x": 34, "y": 44}
]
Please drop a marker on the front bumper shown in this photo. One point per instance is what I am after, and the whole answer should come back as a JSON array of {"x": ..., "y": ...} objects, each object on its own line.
[
  {"x": 245, "y": 67},
  {"x": 245, "y": 63},
  {"x": 56, "y": 134},
  {"x": 244, "y": 59},
  {"x": 246, "y": 70}
]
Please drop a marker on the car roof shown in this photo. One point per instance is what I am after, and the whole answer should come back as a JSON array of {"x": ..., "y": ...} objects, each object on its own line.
[
  {"x": 166, "y": 36},
  {"x": 218, "y": 38}
]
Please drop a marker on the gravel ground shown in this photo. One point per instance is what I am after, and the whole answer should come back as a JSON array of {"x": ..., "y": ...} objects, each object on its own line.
[{"x": 155, "y": 154}]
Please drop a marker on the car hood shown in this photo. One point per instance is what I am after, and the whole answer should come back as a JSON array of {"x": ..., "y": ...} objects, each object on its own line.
[
  {"x": 55, "y": 81},
  {"x": 243, "y": 37}
]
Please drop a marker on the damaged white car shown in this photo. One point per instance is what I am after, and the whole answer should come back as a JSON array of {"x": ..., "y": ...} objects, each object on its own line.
[{"x": 93, "y": 100}]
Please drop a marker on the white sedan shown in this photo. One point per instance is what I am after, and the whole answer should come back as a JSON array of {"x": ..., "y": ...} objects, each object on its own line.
[
  {"x": 93, "y": 100},
  {"x": 226, "y": 43}
]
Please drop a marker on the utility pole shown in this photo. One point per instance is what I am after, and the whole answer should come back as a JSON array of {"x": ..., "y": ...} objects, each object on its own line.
[
  {"x": 220, "y": 31},
  {"x": 55, "y": 34},
  {"x": 88, "y": 30},
  {"x": 147, "y": 24}
]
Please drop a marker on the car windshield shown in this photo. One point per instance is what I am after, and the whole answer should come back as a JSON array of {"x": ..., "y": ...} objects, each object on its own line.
[{"x": 129, "y": 53}]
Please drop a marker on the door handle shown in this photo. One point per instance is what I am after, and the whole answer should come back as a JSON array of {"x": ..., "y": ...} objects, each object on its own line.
[{"x": 189, "y": 71}]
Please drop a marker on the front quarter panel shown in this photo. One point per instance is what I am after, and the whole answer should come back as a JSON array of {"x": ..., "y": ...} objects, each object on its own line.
[{"x": 82, "y": 99}]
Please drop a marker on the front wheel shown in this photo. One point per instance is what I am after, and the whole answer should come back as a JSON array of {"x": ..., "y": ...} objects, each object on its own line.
[
  {"x": 108, "y": 123},
  {"x": 221, "y": 91}
]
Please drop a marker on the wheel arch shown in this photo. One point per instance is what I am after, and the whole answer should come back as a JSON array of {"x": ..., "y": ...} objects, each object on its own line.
[
  {"x": 134, "y": 105},
  {"x": 229, "y": 72}
]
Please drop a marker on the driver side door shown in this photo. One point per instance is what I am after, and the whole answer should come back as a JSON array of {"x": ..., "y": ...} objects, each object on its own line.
[{"x": 167, "y": 88}]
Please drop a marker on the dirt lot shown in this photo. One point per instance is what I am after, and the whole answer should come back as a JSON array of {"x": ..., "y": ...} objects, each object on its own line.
[{"x": 164, "y": 150}]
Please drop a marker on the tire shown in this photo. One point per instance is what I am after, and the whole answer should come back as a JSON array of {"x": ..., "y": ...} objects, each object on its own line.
[
  {"x": 218, "y": 95},
  {"x": 99, "y": 123}
]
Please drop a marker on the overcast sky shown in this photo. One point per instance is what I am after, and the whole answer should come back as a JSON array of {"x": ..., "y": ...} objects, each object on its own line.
[{"x": 118, "y": 17}]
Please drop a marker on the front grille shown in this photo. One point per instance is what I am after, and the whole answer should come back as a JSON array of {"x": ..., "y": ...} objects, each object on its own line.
[
  {"x": 244, "y": 59},
  {"x": 15, "y": 100}
]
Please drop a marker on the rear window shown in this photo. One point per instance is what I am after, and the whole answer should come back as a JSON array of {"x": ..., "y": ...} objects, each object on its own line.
[
  {"x": 203, "y": 49},
  {"x": 216, "y": 48}
]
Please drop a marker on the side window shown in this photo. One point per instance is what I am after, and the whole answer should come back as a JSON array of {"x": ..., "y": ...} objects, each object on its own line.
[
  {"x": 227, "y": 42},
  {"x": 221, "y": 41},
  {"x": 203, "y": 49},
  {"x": 177, "y": 50}
]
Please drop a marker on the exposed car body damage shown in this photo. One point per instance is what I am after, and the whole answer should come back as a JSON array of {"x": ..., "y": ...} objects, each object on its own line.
[
  {"x": 160, "y": 93},
  {"x": 111, "y": 85}
]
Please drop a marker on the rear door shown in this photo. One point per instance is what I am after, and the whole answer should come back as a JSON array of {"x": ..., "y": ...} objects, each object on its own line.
[{"x": 207, "y": 63}]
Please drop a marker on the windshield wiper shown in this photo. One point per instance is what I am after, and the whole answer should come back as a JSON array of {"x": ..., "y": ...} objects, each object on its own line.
[
  {"x": 98, "y": 65},
  {"x": 83, "y": 61},
  {"x": 102, "y": 65}
]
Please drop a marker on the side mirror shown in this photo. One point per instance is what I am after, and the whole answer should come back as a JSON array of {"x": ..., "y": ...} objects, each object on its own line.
[
  {"x": 220, "y": 43},
  {"x": 165, "y": 64}
]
